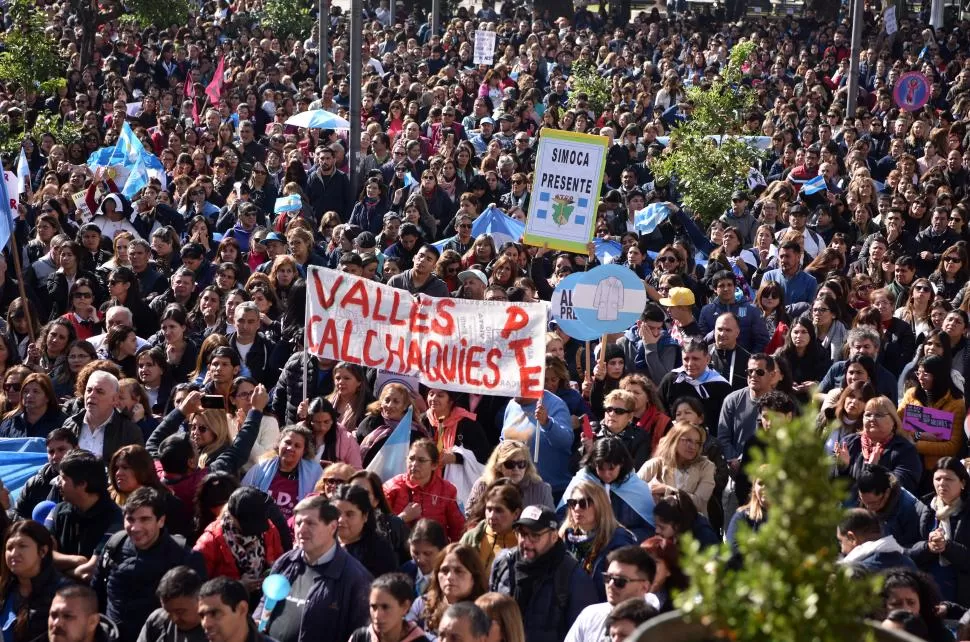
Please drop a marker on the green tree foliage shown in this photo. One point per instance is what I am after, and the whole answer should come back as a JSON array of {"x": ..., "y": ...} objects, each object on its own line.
[
  {"x": 790, "y": 587},
  {"x": 287, "y": 18},
  {"x": 704, "y": 163},
  {"x": 30, "y": 57},
  {"x": 165, "y": 14},
  {"x": 586, "y": 80},
  {"x": 46, "y": 123}
]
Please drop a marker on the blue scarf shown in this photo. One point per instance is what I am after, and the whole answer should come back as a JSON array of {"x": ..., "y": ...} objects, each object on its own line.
[
  {"x": 634, "y": 492},
  {"x": 261, "y": 475}
]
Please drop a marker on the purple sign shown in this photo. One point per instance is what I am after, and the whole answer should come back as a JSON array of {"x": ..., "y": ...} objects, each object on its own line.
[
  {"x": 923, "y": 419},
  {"x": 912, "y": 91}
]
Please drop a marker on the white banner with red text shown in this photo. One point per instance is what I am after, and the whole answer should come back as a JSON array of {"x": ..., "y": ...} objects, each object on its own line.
[{"x": 479, "y": 347}]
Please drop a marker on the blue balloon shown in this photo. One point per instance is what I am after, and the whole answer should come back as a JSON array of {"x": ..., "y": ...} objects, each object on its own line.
[
  {"x": 276, "y": 587},
  {"x": 41, "y": 510}
]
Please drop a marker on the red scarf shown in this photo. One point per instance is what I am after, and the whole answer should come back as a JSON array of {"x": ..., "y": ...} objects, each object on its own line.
[
  {"x": 444, "y": 431},
  {"x": 869, "y": 445}
]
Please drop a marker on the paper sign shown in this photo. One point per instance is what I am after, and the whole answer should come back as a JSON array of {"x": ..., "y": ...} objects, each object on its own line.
[
  {"x": 481, "y": 347},
  {"x": 484, "y": 47},
  {"x": 81, "y": 206},
  {"x": 889, "y": 19},
  {"x": 13, "y": 190},
  {"x": 565, "y": 192},
  {"x": 922, "y": 419}
]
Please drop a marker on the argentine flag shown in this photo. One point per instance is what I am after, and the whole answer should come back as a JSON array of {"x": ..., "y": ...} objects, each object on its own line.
[
  {"x": 502, "y": 228},
  {"x": 646, "y": 220},
  {"x": 607, "y": 251},
  {"x": 392, "y": 458},
  {"x": 814, "y": 186}
]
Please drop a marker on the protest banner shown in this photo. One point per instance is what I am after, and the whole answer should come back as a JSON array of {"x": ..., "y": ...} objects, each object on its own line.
[
  {"x": 484, "y": 47},
  {"x": 923, "y": 419},
  {"x": 566, "y": 190},
  {"x": 889, "y": 19},
  {"x": 481, "y": 347}
]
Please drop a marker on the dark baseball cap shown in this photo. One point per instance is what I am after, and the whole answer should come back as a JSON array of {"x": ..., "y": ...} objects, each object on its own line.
[{"x": 537, "y": 519}]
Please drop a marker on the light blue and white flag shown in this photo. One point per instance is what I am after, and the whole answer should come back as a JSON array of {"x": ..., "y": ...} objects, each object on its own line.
[
  {"x": 392, "y": 459},
  {"x": 814, "y": 185},
  {"x": 137, "y": 179},
  {"x": 607, "y": 251},
  {"x": 7, "y": 205},
  {"x": 23, "y": 173},
  {"x": 646, "y": 220},
  {"x": 503, "y": 228}
]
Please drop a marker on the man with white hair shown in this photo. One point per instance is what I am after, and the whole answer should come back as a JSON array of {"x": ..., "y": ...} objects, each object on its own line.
[
  {"x": 100, "y": 428},
  {"x": 115, "y": 315},
  {"x": 254, "y": 349}
]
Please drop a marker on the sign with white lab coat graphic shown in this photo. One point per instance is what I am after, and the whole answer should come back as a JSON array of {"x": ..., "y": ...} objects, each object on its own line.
[
  {"x": 566, "y": 190},
  {"x": 484, "y": 47},
  {"x": 609, "y": 298}
]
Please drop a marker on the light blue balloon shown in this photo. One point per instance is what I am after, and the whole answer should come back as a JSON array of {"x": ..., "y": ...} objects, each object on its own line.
[
  {"x": 41, "y": 510},
  {"x": 276, "y": 587}
]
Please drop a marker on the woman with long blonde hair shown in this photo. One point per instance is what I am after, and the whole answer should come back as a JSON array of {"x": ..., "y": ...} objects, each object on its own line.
[
  {"x": 505, "y": 615},
  {"x": 590, "y": 530},
  {"x": 510, "y": 460},
  {"x": 679, "y": 465}
]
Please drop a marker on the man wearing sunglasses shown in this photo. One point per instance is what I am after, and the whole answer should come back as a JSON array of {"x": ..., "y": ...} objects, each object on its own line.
[
  {"x": 629, "y": 575},
  {"x": 558, "y": 587},
  {"x": 739, "y": 413}
]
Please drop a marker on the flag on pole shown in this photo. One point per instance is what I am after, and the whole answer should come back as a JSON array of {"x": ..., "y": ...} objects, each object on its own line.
[
  {"x": 7, "y": 206},
  {"x": 137, "y": 179},
  {"x": 646, "y": 220},
  {"x": 23, "y": 174},
  {"x": 814, "y": 186},
  {"x": 214, "y": 89},
  {"x": 392, "y": 459}
]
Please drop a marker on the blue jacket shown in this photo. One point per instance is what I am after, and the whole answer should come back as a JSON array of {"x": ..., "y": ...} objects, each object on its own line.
[
  {"x": 556, "y": 437},
  {"x": 17, "y": 425},
  {"x": 899, "y": 516},
  {"x": 546, "y": 615},
  {"x": 754, "y": 332},
  {"x": 337, "y": 604},
  {"x": 798, "y": 289},
  {"x": 899, "y": 457}
]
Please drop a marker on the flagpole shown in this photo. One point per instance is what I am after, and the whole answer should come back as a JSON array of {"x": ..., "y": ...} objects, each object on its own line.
[{"x": 20, "y": 284}]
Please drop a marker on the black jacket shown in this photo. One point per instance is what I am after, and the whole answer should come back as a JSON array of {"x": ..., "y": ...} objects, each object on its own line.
[
  {"x": 17, "y": 425},
  {"x": 374, "y": 551},
  {"x": 125, "y": 578},
  {"x": 84, "y": 532},
  {"x": 53, "y": 300},
  {"x": 957, "y": 551},
  {"x": 119, "y": 432},
  {"x": 258, "y": 360},
  {"x": 288, "y": 392},
  {"x": 38, "y": 488},
  {"x": 38, "y": 603}
]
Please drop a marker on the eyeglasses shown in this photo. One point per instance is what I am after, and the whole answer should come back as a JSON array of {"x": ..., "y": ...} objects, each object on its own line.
[
  {"x": 770, "y": 295},
  {"x": 199, "y": 428},
  {"x": 874, "y": 415},
  {"x": 332, "y": 482},
  {"x": 756, "y": 372},
  {"x": 922, "y": 288},
  {"x": 419, "y": 460},
  {"x": 517, "y": 182},
  {"x": 582, "y": 503},
  {"x": 956, "y": 218},
  {"x": 83, "y": 295},
  {"x": 464, "y": 226},
  {"x": 12, "y": 387},
  {"x": 520, "y": 464},
  {"x": 616, "y": 411},
  {"x": 687, "y": 441},
  {"x": 667, "y": 259},
  {"x": 952, "y": 259},
  {"x": 260, "y": 171},
  {"x": 820, "y": 310},
  {"x": 618, "y": 580}
]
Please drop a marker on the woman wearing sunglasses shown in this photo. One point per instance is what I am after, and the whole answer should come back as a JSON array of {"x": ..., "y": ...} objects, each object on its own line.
[
  {"x": 511, "y": 460},
  {"x": 610, "y": 466},
  {"x": 590, "y": 531},
  {"x": 619, "y": 421}
]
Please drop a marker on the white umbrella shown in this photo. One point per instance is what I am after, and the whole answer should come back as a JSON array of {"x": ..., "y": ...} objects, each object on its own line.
[{"x": 318, "y": 119}]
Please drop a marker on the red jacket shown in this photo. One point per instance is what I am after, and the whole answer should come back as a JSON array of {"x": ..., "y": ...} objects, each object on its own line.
[
  {"x": 438, "y": 500},
  {"x": 218, "y": 557}
]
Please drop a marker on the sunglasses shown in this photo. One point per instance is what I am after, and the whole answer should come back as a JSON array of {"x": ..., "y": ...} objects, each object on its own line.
[
  {"x": 922, "y": 288},
  {"x": 616, "y": 411},
  {"x": 12, "y": 387},
  {"x": 332, "y": 482},
  {"x": 512, "y": 465},
  {"x": 83, "y": 295},
  {"x": 582, "y": 503},
  {"x": 757, "y": 372},
  {"x": 618, "y": 581},
  {"x": 952, "y": 259},
  {"x": 199, "y": 428}
]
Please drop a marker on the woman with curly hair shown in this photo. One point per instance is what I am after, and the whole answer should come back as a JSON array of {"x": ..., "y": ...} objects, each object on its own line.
[{"x": 510, "y": 460}]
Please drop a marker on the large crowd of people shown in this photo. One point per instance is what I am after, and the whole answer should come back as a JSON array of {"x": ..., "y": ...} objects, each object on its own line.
[{"x": 155, "y": 340}]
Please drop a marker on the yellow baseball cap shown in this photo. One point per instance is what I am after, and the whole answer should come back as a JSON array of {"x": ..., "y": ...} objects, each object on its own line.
[{"x": 677, "y": 297}]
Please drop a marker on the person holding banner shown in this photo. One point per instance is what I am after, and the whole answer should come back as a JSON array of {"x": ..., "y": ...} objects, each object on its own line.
[{"x": 935, "y": 389}]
